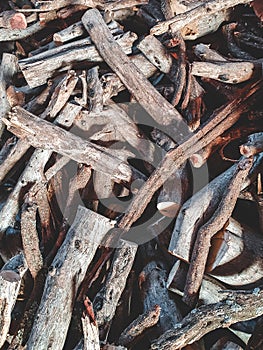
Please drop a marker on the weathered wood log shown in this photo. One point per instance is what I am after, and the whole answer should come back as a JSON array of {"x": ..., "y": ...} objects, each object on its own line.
[
  {"x": 139, "y": 326},
  {"x": 8, "y": 69},
  {"x": 91, "y": 334},
  {"x": 178, "y": 22},
  {"x": 238, "y": 306},
  {"x": 160, "y": 110},
  {"x": 106, "y": 301},
  {"x": 102, "y": 4},
  {"x": 192, "y": 214},
  {"x": 12, "y": 20},
  {"x": 77, "y": 29},
  {"x": 85, "y": 152},
  {"x": 227, "y": 72},
  {"x": 210, "y": 288},
  {"x": 65, "y": 276},
  {"x": 19, "y": 34},
  {"x": 62, "y": 58},
  {"x": 214, "y": 224},
  {"x": 205, "y": 53},
  {"x": 253, "y": 145},
  {"x": 10, "y": 277}
]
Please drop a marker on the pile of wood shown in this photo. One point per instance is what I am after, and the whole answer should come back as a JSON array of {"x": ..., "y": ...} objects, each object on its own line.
[{"x": 131, "y": 203}]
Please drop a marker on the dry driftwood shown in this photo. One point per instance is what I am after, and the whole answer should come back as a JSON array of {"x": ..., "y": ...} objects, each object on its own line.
[
  {"x": 65, "y": 276},
  {"x": 160, "y": 110},
  {"x": 85, "y": 152},
  {"x": 10, "y": 277},
  {"x": 8, "y": 70},
  {"x": 227, "y": 72},
  {"x": 139, "y": 325},
  {"x": 215, "y": 223},
  {"x": 19, "y": 34},
  {"x": 63, "y": 57},
  {"x": 178, "y": 22},
  {"x": 238, "y": 306},
  {"x": 199, "y": 208}
]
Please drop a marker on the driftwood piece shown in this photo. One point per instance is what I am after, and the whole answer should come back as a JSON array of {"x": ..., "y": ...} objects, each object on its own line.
[
  {"x": 139, "y": 326},
  {"x": 91, "y": 334},
  {"x": 8, "y": 69},
  {"x": 160, "y": 110},
  {"x": 237, "y": 307},
  {"x": 106, "y": 301},
  {"x": 63, "y": 142},
  {"x": 12, "y": 20},
  {"x": 253, "y": 145},
  {"x": 10, "y": 280},
  {"x": 30, "y": 239},
  {"x": 215, "y": 223},
  {"x": 210, "y": 287},
  {"x": 227, "y": 72},
  {"x": 19, "y": 34},
  {"x": 63, "y": 57},
  {"x": 178, "y": 22},
  {"x": 77, "y": 29},
  {"x": 207, "y": 54},
  {"x": 105, "y": 4},
  {"x": 199, "y": 208},
  {"x": 65, "y": 276}
]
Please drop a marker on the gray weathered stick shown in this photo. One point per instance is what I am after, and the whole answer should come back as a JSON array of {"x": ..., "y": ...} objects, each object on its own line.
[
  {"x": 65, "y": 276},
  {"x": 10, "y": 280}
]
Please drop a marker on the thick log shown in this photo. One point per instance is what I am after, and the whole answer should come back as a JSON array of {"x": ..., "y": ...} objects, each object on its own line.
[
  {"x": 237, "y": 307},
  {"x": 62, "y": 58},
  {"x": 10, "y": 280},
  {"x": 65, "y": 276}
]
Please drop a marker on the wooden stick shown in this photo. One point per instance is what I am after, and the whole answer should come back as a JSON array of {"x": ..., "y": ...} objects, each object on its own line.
[
  {"x": 102, "y": 4},
  {"x": 156, "y": 105},
  {"x": 65, "y": 143},
  {"x": 237, "y": 307},
  {"x": 91, "y": 333},
  {"x": 19, "y": 34},
  {"x": 192, "y": 215},
  {"x": 63, "y": 57},
  {"x": 8, "y": 69},
  {"x": 253, "y": 145},
  {"x": 139, "y": 326},
  {"x": 30, "y": 239},
  {"x": 210, "y": 228},
  {"x": 10, "y": 280},
  {"x": 65, "y": 276},
  {"x": 227, "y": 72},
  {"x": 178, "y": 22},
  {"x": 106, "y": 301}
]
